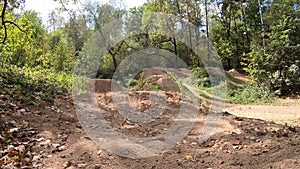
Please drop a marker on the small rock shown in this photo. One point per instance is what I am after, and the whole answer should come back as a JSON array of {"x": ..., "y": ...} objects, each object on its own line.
[
  {"x": 82, "y": 165},
  {"x": 62, "y": 148},
  {"x": 97, "y": 166},
  {"x": 64, "y": 137},
  {"x": 21, "y": 148},
  {"x": 14, "y": 130},
  {"x": 40, "y": 139},
  {"x": 189, "y": 157},
  {"x": 36, "y": 158},
  {"x": 65, "y": 155},
  {"x": 194, "y": 143},
  {"x": 235, "y": 147},
  {"x": 38, "y": 112},
  {"x": 67, "y": 164},
  {"x": 27, "y": 160},
  {"x": 47, "y": 142},
  {"x": 55, "y": 145}
]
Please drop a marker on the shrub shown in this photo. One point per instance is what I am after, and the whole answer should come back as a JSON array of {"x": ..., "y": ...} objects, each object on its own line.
[
  {"x": 253, "y": 93},
  {"x": 33, "y": 86}
]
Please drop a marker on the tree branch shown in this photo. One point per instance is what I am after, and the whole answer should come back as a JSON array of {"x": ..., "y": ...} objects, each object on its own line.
[
  {"x": 66, "y": 9},
  {"x": 13, "y": 23},
  {"x": 129, "y": 46},
  {"x": 4, "y": 22}
]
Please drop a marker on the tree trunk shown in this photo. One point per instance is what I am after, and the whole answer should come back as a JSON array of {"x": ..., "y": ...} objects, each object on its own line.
[
  {"x": 207, "y": 31},
  {"x": 262, "y": 26}
]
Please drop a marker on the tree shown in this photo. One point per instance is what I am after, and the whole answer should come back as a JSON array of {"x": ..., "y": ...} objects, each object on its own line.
[
  {"x": 55, "y": 21},
  {"x": 61, "y": 51},
  {"x": 100, "y": 15},
  {"x": 77, "y": 31},
  {"x": 7, "y": 7},
  {"x": 24, "y": 48},
  {"x": 284, "y": 45},
  {"x": 274, "y": 57}
]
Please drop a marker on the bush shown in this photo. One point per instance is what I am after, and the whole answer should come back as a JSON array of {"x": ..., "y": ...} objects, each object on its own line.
[
  {"x": 33, "y": 86},
  {"x": 253, "y": 93},
  {"x": 201, "y": 77}
]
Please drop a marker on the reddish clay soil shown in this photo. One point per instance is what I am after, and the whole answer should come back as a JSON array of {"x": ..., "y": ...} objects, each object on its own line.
[{"x": 51, "y": 137}]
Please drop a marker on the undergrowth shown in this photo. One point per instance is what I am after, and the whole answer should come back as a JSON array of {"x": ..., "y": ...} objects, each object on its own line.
[
  {"x": 253, "y": 94},
  {"x": 250, "y": 93},
  {"x": 33, "y": 86}
]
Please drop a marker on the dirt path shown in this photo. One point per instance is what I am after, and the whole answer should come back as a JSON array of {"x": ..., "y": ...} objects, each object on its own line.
[
  {"x": 279, "y": 114},
  {"x": 283, "y": 111}
]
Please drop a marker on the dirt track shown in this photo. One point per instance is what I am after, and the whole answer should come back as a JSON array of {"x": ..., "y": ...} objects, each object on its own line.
[{"x": 279, "y": 114}]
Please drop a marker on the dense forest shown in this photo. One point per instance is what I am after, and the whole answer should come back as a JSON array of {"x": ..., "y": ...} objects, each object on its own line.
[{"x": 257, "y": 37}]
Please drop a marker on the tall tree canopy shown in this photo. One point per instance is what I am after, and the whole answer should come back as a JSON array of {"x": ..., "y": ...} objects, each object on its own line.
[{"x": 259, "y": 37}]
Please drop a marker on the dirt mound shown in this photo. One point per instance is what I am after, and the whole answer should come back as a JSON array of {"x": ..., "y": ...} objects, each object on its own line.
[
  {"x": 237, "y": 75},
  {"x": 148, "y": 72},
  {"x": 58, "y": 140},
  {"x": 237, "y": 143},
  {"x": 160, "y": 82},
  {"x": 156, "y": 79},
  {"x": 234, "y": 73},
  {"x": 105, "y": 85},
  {"x": 167, "y": 85}
]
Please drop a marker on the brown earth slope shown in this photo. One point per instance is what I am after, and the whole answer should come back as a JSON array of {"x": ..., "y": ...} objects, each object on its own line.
[{"x": 51, "y": 137}]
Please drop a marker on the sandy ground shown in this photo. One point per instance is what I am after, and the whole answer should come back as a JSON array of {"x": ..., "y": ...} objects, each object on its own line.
[{"x": 284, "y": 111}]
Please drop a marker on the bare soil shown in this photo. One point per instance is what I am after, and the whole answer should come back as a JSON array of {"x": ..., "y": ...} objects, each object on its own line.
[
  {"x": 51, "y": 137},
  {"x": 282, "y": 114}
]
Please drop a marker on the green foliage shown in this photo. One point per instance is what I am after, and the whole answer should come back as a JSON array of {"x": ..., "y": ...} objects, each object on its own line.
[
  {"x": 140, "y": 82},
  {"x": 24, "y": 48},
  {"x": 259, "y": 64},
  {"x": 62, "y": 53},
  {"x": 284, "y": 46},
  {"x": 201, "y": 77},
  {"x": 230, "y": 32},
  {"x": 253, "y": 94},
  {"x": 80, "y": 85},
  {"x": 33, "y": 86},
  {"x": 262, "y": 39}
]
